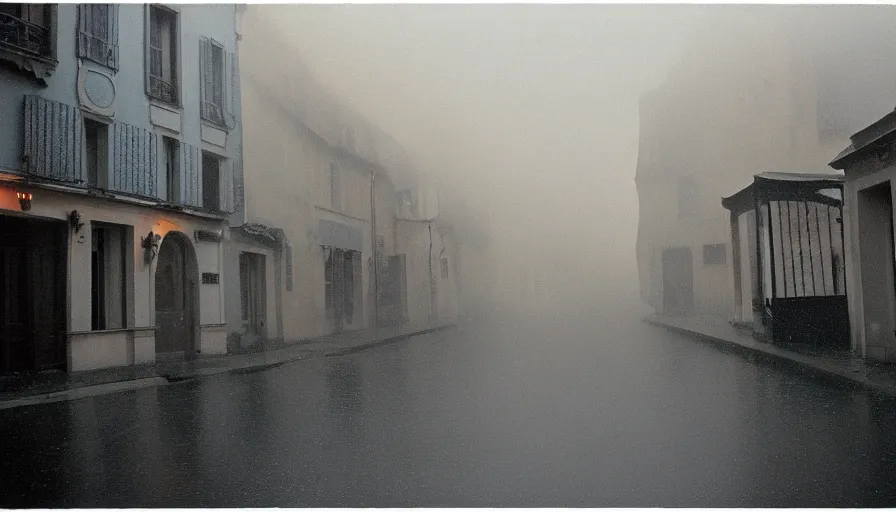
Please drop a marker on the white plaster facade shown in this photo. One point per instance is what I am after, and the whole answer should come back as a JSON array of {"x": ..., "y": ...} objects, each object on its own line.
[
  {"x": 327, "y": 179},
  {"x": 88, "y": 349},
  {"x": 735, "y": 106},
  {"x": 869, "y": 195}
]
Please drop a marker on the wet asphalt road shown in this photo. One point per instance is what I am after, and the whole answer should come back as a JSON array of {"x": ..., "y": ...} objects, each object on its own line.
[{"x": 597, "y": 410}]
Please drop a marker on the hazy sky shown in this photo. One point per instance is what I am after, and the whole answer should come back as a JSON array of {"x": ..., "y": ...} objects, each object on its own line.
[{"x": 530, "y": 111}]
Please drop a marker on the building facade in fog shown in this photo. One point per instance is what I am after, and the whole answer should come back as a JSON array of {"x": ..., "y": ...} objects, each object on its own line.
[
  {"x": 337, "y": 222},
  {"x": 751, "y": 94},
  {"x": 120, "y": 142},
  {"x": 870, "y": 170}
]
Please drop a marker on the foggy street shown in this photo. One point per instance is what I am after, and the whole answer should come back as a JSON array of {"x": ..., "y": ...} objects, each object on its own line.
[
  {"x": 588, "y": 409},
  {"x": 413, "y": 255}
]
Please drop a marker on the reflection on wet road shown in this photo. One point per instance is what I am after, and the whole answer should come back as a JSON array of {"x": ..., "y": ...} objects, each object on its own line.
[{"x": 585, "y": 411}]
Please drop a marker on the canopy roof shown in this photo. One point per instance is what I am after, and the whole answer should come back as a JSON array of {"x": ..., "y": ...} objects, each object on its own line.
[{"x": 782, "y": 186}]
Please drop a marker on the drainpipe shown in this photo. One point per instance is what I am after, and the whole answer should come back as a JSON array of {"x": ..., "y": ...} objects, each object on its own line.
[
  {"x": 376, "y": 281},
  {"x": 433, "y": 298},
  {"x": 433, "y": 312}
]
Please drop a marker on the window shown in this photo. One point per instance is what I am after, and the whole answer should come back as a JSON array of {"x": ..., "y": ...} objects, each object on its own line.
[
  {"x": 171, "y": 148},
  {"x": 211, "y": 57},
  {"x": 98, "y": 33},
  {"x": 341, "y": 268},
  {"x": 335, "y": 198},
  {"x": 108, "y": 280},
  {"x": 687, "y": 197},
  {"x": 252, "y": 292},
  {"x": 96, "y": 153},
  {"x": 162, "y": 77},
  {"x": 26, "y": 28},
  {"x": 211, "y": 181},
  {"x": 714, "y": 254},
  {"x": 444, "y": 268},
  {"x": 405, "y": 202}
]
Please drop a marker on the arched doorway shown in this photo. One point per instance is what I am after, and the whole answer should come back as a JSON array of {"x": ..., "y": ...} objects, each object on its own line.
[{"x": 177, "y": 298}]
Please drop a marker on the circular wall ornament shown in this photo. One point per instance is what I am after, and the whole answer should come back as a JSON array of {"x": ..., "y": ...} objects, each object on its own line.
[
  {"x": 96, "y": 90},
  {"x": 100, "y": 89}
]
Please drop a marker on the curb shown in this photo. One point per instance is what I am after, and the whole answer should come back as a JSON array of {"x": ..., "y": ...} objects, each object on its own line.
[
  {"x": 85, "y": 392},
  {"x": 80, "y": 392},
  {"x": 791, "y": 362},
  {"x": 385, "y": 341}
]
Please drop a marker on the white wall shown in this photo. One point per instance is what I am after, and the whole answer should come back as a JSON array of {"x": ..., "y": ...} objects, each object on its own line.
[
  {"x": 135, "y": 344},
  {"x": 861, "y": 233}
]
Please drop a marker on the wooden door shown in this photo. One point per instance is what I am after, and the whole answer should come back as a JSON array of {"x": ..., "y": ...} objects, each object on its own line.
[
  {"x": 678, "y": 282},
  {"x": 32, "y": 295},
  {"x": 253, "y": 294},
  {"x": 174, "y": 320},
  {"x": 47, "y": 307},
  {"x": 15, "y": 340}
]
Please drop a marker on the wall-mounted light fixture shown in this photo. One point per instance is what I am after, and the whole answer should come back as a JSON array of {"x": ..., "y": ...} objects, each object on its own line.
[
  {"x": 74, "y": 221},
  {"x": 24, "y": 200},
  {"x": 150, "y": 245}
]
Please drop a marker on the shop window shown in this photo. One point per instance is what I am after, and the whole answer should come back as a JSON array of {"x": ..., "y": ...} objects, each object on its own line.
[{"x": 110, "y": 246}]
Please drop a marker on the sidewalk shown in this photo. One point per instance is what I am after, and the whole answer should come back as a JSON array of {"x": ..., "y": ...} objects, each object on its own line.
[
  {"x": 843, "y": 367},
  {"x": 45, "y": 387}
]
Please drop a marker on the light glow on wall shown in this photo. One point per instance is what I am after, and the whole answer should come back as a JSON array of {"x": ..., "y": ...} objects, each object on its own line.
[{"x": 163, "y": 226}]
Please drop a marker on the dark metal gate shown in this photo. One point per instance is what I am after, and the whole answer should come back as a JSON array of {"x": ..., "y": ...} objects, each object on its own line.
[{"x": 800, "y": 250}]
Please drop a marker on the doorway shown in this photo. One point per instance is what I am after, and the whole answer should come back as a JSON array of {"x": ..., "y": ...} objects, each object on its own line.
[
  {"x": 341, "y": 270},
  {"x": 177, "y": 298},
  {"x": 253, "y": 296},
  {"x": 32, "y": 294},
  {"x": 875, "y": 207},
  {"x": 678, "y": 282}
]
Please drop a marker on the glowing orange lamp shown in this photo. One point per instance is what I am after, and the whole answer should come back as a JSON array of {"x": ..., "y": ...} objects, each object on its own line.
[{"x": 24, "y": 200}]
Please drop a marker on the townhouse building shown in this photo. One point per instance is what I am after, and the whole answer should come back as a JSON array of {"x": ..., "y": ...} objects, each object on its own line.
[
  {"x": 118, "y": 158},
  {"x": 326, "y": 244}
]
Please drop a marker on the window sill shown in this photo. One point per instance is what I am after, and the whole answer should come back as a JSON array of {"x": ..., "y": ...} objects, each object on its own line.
[
  {"x": 104, "y": 65},
  {"x": 215, "y": 124},
  {"x": 109, "y": 331},
  {"x": 164, "y": 104}
]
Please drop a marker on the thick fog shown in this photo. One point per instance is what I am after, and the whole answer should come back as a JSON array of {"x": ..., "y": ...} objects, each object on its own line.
[{"x": 529, "y": 115}]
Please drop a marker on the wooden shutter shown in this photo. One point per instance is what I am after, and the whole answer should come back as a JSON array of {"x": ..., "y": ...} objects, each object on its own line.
[
  {"x": 98, "y": 33},
  {"x": 229, "y": 89},
  {"x": 85, "y": 30},
  {"x": 53, "y": 140},
  {"x": 112, "y": 56},
  {"x": 190, "y": 163},
  {"x": 135, "y": 160},
  {"x": 147, "y": 28},
  {"x": 226, "y": 173},
  {"x": 205, "y": 50}
]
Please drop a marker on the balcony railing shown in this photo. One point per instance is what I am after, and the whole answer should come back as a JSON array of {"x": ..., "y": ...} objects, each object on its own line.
[
  {"x": 213, "y": 113},
  {"x": 162, "y": 90},
  {"x": 24, "y": 36}
]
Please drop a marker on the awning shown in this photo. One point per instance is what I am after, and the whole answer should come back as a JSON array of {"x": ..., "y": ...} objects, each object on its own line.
[
  {"x": 777, "y": 186},
  {"x": 336, "y": 234}
]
